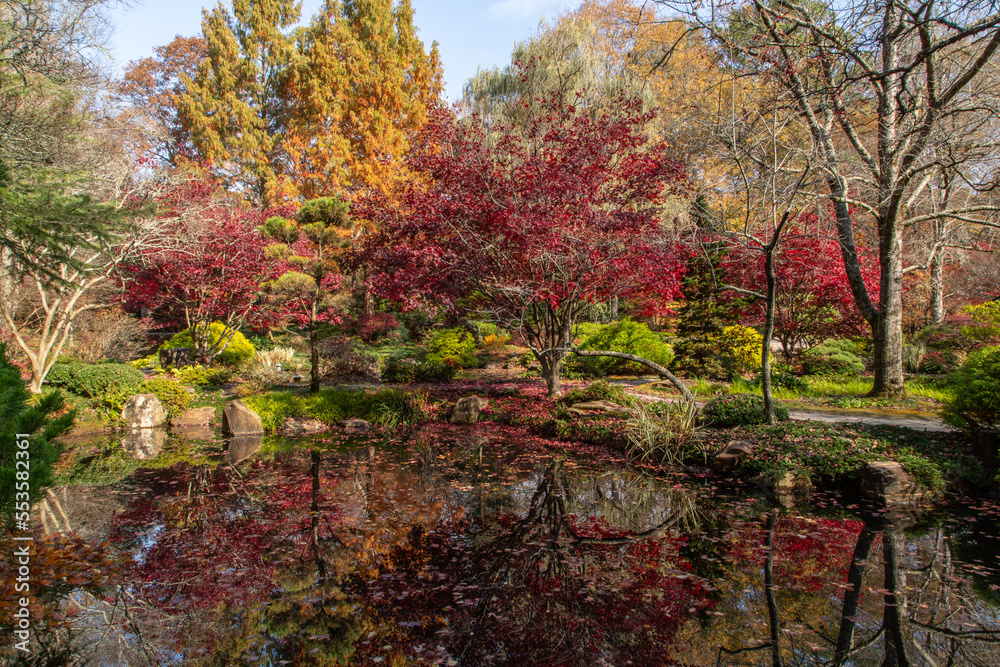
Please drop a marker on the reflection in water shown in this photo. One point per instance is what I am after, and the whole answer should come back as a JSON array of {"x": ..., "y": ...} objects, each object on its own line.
[
  {"x": 241, "y": 447},
  {"x": 144, "y": 443},
  {"x": 460, "y": 548}
]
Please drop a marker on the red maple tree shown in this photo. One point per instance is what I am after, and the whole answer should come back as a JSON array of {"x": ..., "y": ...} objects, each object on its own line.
[
  {"x": 529, "y": 227},
  {"x": 814, "y": 300},
  {"x": 211, "y": 273}
]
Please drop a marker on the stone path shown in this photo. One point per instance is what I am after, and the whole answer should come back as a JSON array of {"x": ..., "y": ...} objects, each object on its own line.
[{"x": 918, "y": 423}]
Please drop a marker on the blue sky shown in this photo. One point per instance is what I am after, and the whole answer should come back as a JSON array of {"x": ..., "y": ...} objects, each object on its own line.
[{"x": 471, "y": 34}]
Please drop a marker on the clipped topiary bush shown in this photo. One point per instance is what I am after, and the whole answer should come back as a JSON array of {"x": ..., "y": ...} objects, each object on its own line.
[
  {"x": 832, "y": 357},
  {"x": 452, "y": 347},
  {"x": 237, "y": 351},
  {"x": 95, "y": 380},
  {"x": 739, "y": 410},
  {"x": 625, "y": 335},
  {"x": 976, "y": 405}
]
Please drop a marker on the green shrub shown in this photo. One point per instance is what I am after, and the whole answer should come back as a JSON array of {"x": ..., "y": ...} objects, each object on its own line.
[
  {"x": 387, "y": 407},
  {"x": 452, "y": 347},
  {"x": 783, "y": 380},
  {"x": 202, "y": 376},
  {"x": 173, "y": 396},
  {"x": 739, "y": 410},
  {"x": 977, "y": 404},
  {"x": 237, "y": 351},
  {"x": 627, "y": 336},
  {"x": 598, "y": 391},
  {"x": 400, "y": 370},
  {"x": 95, "y": 380},
  {"x": 487, "y": 329},
  {"x": 832, "y": 357},
  {"x": 987, "y": 321}
]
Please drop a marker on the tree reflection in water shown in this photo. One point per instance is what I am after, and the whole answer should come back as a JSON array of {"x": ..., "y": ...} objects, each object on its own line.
[
  {"x": 900, "y": 601},
  {"x": 462, "y": 548}
]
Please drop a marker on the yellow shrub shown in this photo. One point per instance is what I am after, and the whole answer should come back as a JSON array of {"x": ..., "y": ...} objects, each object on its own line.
[
  {"x": 987, "y": 319},
  {"x": 495, "y": 342},
  {"x": 740, "y": 347}
]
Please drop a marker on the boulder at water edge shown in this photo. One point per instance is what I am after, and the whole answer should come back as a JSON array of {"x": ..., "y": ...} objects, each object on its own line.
[
  {"x": 143, "y": 411},
  {"x": 238, "y": 419},
  {"x": 355, "y": 425},
  {"x": 466, "y": 410},
  {"x": 728, "y": 458},
  {"x": 886, "y": 482}
]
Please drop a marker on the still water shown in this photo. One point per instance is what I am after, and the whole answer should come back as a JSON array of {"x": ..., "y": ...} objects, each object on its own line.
[{"x": 485, "y": 545}]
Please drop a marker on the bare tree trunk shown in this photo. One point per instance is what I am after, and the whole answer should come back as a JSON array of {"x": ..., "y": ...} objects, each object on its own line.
[
  {"x": 663, "y": 372},
  {"x": 765, "y": 353},
  {"x": 313, "y": 358},
  {"x": 888, "y": 348},
  {"x": 937, "y": 286},
  {"x": 551, "y": 362}
]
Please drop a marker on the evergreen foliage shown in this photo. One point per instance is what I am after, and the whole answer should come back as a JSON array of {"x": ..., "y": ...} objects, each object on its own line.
[{"x": 38, "y": 424}]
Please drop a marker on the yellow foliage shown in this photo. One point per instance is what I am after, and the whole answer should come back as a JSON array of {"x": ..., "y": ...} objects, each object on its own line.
[
  {"x": 495, "y": 342},
  {"x": 741, "y": 346}
]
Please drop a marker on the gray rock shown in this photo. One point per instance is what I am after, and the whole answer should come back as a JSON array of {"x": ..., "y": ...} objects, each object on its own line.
[
  {"x": 728, "y": 458},
  {"x": 886, "y": 482},
  {"x": 238, "y": 419},
  {"x": 143, "y": 411},
  {"x": 302, "y": 426},
  {"x": 466, "y": 410},
  {"x": 144, "y": 443},
  {"x": 194, "y": 417},
  {"x": 355, "y": 425}
]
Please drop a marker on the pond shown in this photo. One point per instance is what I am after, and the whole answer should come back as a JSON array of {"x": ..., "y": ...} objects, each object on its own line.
[{"x": 485, "y": 545}]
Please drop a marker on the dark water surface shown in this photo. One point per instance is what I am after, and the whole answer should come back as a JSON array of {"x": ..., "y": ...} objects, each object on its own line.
[{"x": 487, "y": 546}]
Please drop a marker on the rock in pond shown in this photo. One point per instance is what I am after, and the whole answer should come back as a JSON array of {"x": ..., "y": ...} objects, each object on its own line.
[
  {"x": 143, "y": 411},
  {"x": 355, "y": 425},
  {"x": 886, "y": 482},
  {"x": 295, "y": 426},
  {"x": 238, "y": 419},
  {"x": 789, "y": 488},
  {"x": 728, "y": 458},
  {"x": 466, "y": 410}
]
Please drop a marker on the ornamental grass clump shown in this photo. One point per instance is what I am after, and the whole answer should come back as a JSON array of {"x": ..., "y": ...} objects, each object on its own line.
[{"x": 661, "y": 430}]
